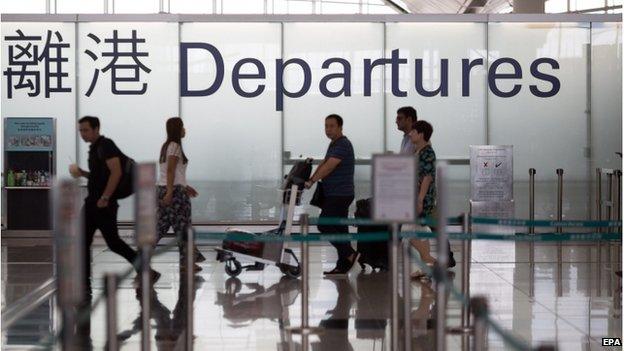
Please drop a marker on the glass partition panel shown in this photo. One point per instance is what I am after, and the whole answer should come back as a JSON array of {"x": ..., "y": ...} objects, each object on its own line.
[
  {"x": 233, "y": 142},
  {"x": 128, "y": 77},
  {"x": 318, "y": 45},
  {"x": 80, "y": 6},
  {"x": 606, "y": 95},
  {"x": 537, "y": 103},
  {"x": 434, "y": 55}
]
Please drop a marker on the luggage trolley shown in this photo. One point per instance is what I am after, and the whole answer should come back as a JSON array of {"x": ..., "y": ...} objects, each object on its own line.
[{"x": 270, "y": 253}]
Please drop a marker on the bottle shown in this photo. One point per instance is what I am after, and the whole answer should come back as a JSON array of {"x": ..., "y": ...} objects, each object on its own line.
[
  {"x": 10, "y": 178},
  {"x": 24, "y": 178}
]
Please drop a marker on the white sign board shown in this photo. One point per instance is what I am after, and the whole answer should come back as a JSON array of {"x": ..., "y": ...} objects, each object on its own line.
[
  {"x": 394, "y": 188},
  {"x": 493, "y": 209},
  {"x": 491, "y": 172}
]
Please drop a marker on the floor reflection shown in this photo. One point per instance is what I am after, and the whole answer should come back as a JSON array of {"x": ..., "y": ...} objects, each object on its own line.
[
  {"x": 254, "y": 311},
  {"x": 241, "y": 309},
  {"x": 170, "y": 325}
]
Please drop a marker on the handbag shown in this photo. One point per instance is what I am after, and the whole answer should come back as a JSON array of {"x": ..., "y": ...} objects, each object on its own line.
[{"x": 318, "y": 197}]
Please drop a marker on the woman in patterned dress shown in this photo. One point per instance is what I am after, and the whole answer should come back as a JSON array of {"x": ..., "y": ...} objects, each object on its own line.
[{"x": 174, "y": 203}]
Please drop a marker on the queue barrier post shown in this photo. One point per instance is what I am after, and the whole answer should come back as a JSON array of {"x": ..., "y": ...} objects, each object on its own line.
[
  {"x": 110, "y": 288},
  {"x": 394, "y": 282},
  {"x": 610, "y": 203},
  {"x": 479, "y": 310},
  {"x": 599, "y": 218},
  {"x": 145, "y": 231},
  {"x": 532, "y": 199},
  {"x": 559, "y": 230},
  {"x": 442, "y": 261},
  {"x": 190, "y": 288},
  {"x": 465, "y": 283},
  {"x": 407, "y": 295},
  {"x": 71, "y": 259}
]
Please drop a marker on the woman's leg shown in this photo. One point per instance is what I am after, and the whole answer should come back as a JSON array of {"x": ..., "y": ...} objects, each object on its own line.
[{"x": 424, "y": 249}]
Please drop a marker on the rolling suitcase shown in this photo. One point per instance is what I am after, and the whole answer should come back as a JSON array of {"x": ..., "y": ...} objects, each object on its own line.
[{"x": 372, "y": 253}]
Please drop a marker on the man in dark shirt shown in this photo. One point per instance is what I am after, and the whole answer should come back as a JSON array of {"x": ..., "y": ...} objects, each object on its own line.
[
  {"x": 337, "y": 171},
  {"x": 100, "y": 207}
]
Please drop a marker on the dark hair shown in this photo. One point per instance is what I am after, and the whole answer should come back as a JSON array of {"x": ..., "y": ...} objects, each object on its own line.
[
  {"x": 408, "y": 111},
  {"x": 337, "y": 118},
  {"x": 94, "y": 122},
  {"x": 425, "y": 128},
  {"x": 174, "y": 134}
]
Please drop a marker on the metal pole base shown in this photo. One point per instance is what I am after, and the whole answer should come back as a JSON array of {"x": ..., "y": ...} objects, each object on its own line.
[
  {"x": 305, "y": 331},
  {"x": 459, "y": 330}
]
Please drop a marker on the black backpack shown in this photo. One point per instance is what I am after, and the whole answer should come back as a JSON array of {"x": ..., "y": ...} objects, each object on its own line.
[{"x": 125, "y": 187}]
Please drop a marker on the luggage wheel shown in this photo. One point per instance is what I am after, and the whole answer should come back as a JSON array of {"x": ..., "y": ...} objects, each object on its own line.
[
  {"x": 233, "y": 267},
  {"x": 291, "y": 271}
]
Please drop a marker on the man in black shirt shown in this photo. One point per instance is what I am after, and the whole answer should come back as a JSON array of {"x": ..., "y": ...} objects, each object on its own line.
[{"x": 100, "y": 207}]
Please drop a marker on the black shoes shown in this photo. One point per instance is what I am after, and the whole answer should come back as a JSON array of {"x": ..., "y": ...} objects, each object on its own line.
[
  {"x": 343, "y": 267},
  {"x": 451, "y": 261},
  {"x": 198, "y": 255}
]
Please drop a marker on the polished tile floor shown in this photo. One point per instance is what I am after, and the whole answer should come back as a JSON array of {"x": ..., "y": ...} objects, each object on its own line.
[{"x": 572, "y": 304}]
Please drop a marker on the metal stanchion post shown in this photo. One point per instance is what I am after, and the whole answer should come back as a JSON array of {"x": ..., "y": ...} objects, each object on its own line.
[
  {"x": 145, "y": 298},
  {"x": 599, "y": 218},
  {"x": 466, "y": 257},
  {"x": 305, "y": 257},
  {"x": 618, "y": 217},
  {"x": 609, "y": 214},
  {"x": 70, "y": 259},
  {"x": 559, "y": 230},
  {"x": 479, "y": 311},
  {"x": 110, "y": 287},
  {"x": 531, "y": 199},
  {"x": 546, "y": 347},
  {"x": 394, "y": 277},
  {"x": 407, "y": 295},
  {"x": 441, "y": 264},
  {"x": 532, "y": 231},
  {"x": 305, "y": 328},
  {"x": 559, "y": 197},
  {"x": 190, "y": 288},
  {"x": 610, "y": 202},
  {"x": 145, "y": 231}
]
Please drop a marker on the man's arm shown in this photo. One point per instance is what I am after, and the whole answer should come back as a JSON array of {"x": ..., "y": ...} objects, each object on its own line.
[
  {"x": 114, "y": 166},
  {"x": 325, "y": 169}
]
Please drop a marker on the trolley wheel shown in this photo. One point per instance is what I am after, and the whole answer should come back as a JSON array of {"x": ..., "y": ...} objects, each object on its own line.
[
  {"x": 293, "y": 272},
  {"x": 233, "y": 267},
  {"x": 233, "y": 286}
]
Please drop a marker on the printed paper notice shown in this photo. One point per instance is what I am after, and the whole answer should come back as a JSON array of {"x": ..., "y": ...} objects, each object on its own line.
[
  {"x": 491, "y": 173},
  {"x": 394, "y": 188}
]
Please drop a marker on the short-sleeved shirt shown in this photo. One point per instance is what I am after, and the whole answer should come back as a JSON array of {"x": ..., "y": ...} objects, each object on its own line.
[
  {"x": 100, "y": 151},
  {"x": 173, "y": 149},
  {"x": 340, "y": 181},
  {"x": 426, "y": 167},
  {"x": 407, "y": 147}
]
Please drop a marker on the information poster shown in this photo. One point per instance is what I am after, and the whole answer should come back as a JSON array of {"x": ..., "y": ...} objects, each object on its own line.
[
  {"x": 394, "y": 188},
  {"x": 491, "y": 172},
  {"x": 29, "y": 134}
]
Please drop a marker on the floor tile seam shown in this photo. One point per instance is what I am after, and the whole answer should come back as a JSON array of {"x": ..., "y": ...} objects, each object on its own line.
[{"x": 542, "y": 305}]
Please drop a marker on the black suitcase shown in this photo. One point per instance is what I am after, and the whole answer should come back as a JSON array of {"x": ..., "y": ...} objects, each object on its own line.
[{"x": 372, "y": 253}]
